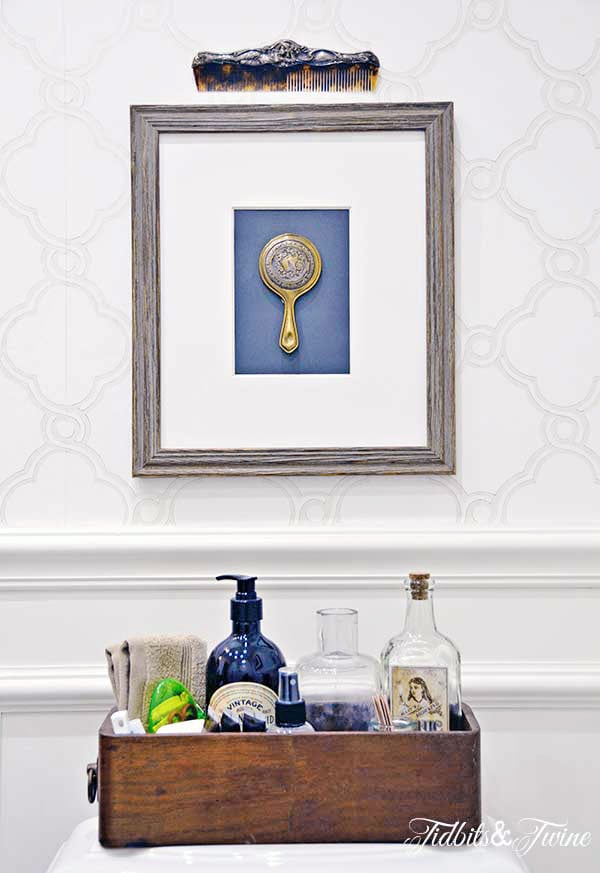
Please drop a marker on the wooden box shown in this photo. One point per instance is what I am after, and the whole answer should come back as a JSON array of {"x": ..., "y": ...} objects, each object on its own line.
[{"x": 308, "y": 788}]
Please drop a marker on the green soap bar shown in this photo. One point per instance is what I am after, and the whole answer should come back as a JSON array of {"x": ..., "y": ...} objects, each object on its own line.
[{"x": 171, "y": 702}]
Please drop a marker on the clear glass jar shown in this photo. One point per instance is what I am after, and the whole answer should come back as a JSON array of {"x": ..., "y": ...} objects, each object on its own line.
[
  {"x": 338, "y": 683},
  {"x": 421, "y": 667}
]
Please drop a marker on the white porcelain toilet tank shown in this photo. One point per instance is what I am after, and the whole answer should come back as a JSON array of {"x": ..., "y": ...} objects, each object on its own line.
[{"x": 82, "y": 853}]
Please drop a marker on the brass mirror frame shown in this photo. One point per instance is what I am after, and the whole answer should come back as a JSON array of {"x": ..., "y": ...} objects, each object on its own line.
[
  {"x": 289, "y": 329},
  {"x": 147, "y": 124}
]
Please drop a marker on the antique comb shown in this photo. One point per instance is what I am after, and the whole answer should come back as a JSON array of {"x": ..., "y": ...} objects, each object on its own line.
[
  {"x": 289, "y": 265},
  {"x": 285, "y": 66}
]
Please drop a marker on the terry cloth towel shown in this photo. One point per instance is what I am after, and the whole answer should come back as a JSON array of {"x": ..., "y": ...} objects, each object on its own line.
[{"x": 137, "y": 664}]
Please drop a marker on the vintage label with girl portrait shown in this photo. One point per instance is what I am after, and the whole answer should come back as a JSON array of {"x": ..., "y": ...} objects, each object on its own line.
[{"x": 420, "y": 694}]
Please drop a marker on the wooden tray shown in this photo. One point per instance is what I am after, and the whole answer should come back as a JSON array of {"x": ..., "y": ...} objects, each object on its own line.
[{"x": 309, "y": 788}]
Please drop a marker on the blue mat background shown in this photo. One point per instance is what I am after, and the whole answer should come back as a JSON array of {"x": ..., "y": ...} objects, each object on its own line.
[{"x": 322, "y": 314}]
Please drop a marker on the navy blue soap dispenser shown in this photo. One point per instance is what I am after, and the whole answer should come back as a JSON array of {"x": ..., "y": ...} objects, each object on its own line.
[{"x": 242, "y": 672}]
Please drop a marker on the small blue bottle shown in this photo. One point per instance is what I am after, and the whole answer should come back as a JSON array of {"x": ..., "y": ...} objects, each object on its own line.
[{"x": 242, "y": 672}]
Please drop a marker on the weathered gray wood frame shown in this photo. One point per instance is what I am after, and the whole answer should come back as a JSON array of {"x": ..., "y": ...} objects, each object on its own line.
[{"x": 147, "y": 123}]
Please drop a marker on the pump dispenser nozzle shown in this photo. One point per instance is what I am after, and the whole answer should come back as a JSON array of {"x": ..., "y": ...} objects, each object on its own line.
[
  {"x": 241, "y": 670},
  {"x": 245, "y": 584},
  {"x": 246, "y": 605}
]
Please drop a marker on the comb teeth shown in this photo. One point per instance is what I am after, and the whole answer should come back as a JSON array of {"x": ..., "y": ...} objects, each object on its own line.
[
  {"x": 303, "y": 78},
  {"x": 331, "y": 79}
]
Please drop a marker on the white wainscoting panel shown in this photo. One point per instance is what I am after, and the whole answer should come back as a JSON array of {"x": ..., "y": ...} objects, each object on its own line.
[
  {"x": 523, "y": 608},
  {"x": 49, "y": 719},
  {"x": 43, "y": 756}
]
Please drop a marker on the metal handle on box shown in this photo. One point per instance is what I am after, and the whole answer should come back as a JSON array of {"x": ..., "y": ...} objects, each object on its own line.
[{"x": 92, "y": 781}]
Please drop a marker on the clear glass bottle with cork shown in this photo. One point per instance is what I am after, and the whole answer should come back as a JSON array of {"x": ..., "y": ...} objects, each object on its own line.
[{"x": 421, "y": 667}]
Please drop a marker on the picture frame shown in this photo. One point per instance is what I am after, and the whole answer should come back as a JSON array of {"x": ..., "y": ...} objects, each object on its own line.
[{"x": 436, "y": 454}]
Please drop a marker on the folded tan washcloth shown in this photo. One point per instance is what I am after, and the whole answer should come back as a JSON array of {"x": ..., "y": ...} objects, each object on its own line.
[{"x": 137, "y": 664}]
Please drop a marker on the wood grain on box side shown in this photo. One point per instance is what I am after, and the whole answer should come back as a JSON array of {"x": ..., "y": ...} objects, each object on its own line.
[{"x": 326, "y": 787}]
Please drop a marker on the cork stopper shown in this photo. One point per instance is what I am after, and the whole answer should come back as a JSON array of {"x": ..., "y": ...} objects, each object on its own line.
[{"x": 420, "y": 585}]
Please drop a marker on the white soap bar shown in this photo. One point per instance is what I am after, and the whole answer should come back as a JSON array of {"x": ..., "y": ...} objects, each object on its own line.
[
  {"x": 120, "y": 722},
  {"x": 123, "y": 727},
  {"x": 183, "y": 727}
]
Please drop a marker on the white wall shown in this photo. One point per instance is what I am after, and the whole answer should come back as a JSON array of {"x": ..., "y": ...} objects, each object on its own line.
[{"x": 513, "y": 536}]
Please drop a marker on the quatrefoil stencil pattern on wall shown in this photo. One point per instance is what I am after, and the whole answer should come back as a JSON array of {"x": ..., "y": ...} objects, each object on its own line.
[{"x": 525, "y": 79}]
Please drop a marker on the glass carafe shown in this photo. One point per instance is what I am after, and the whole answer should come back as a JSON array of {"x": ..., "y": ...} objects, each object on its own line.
[{"x": 338, "y": 683}]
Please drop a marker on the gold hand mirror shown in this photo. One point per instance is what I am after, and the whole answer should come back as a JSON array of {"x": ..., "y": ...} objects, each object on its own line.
[{"x": 289, "y": 265}]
